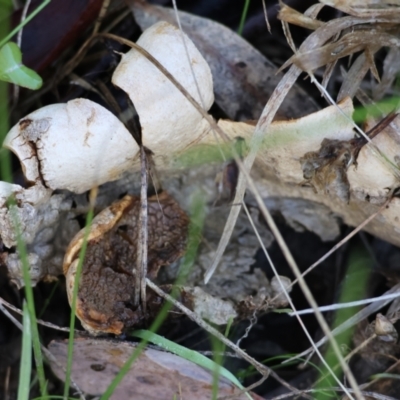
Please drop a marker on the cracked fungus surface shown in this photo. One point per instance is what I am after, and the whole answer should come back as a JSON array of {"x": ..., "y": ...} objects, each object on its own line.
[{"x": 106, "y": 289}]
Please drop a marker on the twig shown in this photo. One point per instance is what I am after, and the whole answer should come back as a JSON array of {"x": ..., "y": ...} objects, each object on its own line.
[
  {"x": 142, "y": 247},
  {"x": 246, "y": 390},
  {"x": 41, "y": 322},
  {"x": 187, "y": 54},
  {"x": 339, "y": 306},
  {"x": 101, "y": 16}
]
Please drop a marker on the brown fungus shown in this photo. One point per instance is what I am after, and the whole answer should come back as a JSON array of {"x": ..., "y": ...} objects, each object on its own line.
[
  {"x": 106, "y": 287},
  {"x": 325, "y": 170}
]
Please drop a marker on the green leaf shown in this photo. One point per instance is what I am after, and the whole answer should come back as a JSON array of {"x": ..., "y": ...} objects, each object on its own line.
[
  {"x": 282, "y": 310},
  {"x": 13, "y": 71},
  {"x": 26, "y": 357},
  {"x": 385, "y": 376}
]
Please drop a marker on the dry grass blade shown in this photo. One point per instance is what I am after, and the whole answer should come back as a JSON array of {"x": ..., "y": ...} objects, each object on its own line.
[
  {"x": 102, "y": 14},
  {"x": 345, "y": 46},
  {"x": 288, "y": 36},
  {"x": 19, "y": 41},
  {"x": 142, "y": 250},
  {"x": 354, "y": 77},
  {"x": 265, "y": 120},
  {"x": 187, "y": 53},
  {"x": 291, "y": 16},
  {"x": 328, "y": 73},
  {"x": 366, "y": 9},
  {"x": 372, "y": 28},
  {"x": 266, "y": 16},
  {"x": 325, "y": 33},
  {"x": 391, "y": 67}
]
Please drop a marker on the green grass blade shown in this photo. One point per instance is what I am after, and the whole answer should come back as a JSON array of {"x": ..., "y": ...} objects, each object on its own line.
[
  {"x": 49, "y": 298},
  {"x": 5, "y": 9},
  {"x": 187, "y": 354},
  {"x": 385, "y": 375},
  {"x": 89, "y": 219},
  {"x": 243, "y": 17},
  {"x": 37, "y": 351},
  {"x": 26, "y": 356},
  {"x": 23, "y": 23},
  {"x": 219, "y": 348}
]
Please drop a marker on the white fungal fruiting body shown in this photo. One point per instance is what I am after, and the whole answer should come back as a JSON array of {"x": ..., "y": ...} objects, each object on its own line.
[
  {"x": 169, "y": 121},
  {"x": 6, "y": 190},
  {"x": 74, "y": 146}
]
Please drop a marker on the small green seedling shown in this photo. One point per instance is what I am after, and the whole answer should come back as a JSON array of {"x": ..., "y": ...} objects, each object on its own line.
[{"x": 13, "y": 71}]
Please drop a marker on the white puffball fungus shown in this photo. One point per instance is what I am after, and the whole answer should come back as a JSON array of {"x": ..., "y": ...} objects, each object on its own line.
[
  {"x": 169, "y": 121},
  {"x": 75, "y": 146}
]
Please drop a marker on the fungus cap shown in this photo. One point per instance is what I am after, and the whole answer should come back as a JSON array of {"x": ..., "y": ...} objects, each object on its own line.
[
  {"x": 169, "y": 121},
  {"x": 75, "y": 146}
]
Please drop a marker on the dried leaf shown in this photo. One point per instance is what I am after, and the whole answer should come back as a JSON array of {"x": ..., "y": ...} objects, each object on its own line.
[
  {"x": 353, "y": 78},
  {"x": 366, "y": 9},
  {"x": 291, "y": 16},
  {"x": 391, "y": 67},
  {"x": 345, "y": 46},
  {"x": 154, "y": 375},
  {"x": 369, "y": 54}
]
